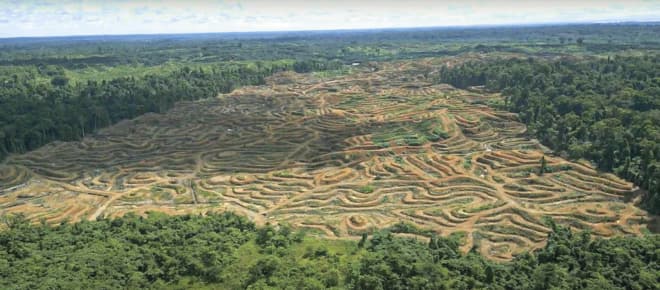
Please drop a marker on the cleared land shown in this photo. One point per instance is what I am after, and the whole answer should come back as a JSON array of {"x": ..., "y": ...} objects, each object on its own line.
[{"x": 340, "y": 156}]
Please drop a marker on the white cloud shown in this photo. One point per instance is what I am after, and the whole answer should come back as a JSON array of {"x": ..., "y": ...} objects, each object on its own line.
[{"x": 75, "y": 17}]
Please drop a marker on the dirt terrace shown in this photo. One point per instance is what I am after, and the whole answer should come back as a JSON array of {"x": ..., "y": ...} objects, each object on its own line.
[{"x": 338, "y": 156}]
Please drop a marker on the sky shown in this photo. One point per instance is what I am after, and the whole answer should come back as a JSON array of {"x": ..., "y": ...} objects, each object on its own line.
[{"x": 101, "y": 17}]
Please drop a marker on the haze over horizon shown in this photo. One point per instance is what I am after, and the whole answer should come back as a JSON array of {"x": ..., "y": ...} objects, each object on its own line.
[{"x": 95, "y": 17}]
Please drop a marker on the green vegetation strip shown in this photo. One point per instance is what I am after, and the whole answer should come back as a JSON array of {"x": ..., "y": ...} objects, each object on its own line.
[{"x": 226, "y": 251}]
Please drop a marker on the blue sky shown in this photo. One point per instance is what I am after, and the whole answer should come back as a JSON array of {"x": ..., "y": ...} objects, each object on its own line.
[{"x": 84, "y": 17}]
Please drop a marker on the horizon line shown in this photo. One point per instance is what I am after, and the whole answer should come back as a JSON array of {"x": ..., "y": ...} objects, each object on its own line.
[{"x": 365, "y": 29}]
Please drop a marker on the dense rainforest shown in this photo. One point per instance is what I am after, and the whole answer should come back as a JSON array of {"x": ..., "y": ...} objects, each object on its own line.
[
  {"x": 606, "y": 110},
  {"x": 227, "y": 251}
]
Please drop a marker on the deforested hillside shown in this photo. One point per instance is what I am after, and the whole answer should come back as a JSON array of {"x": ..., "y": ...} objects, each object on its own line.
[{"x": 383, "y": 147}]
